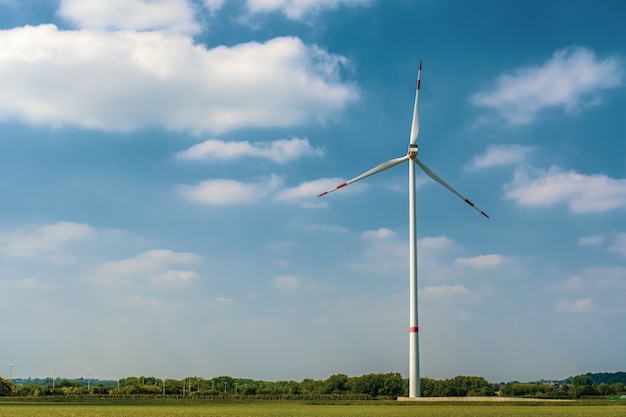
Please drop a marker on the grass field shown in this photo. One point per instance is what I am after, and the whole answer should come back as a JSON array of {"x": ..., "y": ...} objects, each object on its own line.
[{"x": 297, "y": 409}]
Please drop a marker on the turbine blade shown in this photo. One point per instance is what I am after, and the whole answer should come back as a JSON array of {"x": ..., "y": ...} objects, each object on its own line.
[
  {"x": 415, "y": 126},
  {"x": 437, "y": 178},
  {"x": 385, "y": 165}
]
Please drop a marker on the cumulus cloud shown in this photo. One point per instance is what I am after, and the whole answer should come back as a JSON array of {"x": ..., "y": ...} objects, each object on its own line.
[
  {"x": 481, "y": 261},
  {"x": 299, "y": 9},
  {"x": 382, "y": 233},
  {"x": 619, "y": 244},
  {"x": 590, "y": 240},
  {"x": 23, "y": 284},
  {"x": 500, "y": 155},
  {"x": 147, "y": 261},
  {"x": 581, "y": 305},
  {"x": 228, "y": 192},
  {"x": 306, "y": 193},
  {"x": 44, "y": 242},
  {"x": 437, "y": 243},
  {"x": 173, "y": 278},
  {"x": 213, "y": 5},
  {"x": 581, "y": 193},
  {"x": 167, "y": 15},
  {"x": 280, "y": 151},
  {"x": 125, "y": 80},
  {"x": 598, "y": 276},
  {"x": 571, "y": 80},
  {"x": 153, "y": 266},
  {"x": 286, "y": 282},
  {"x": 329, "y": 228},
  {"x": 444, "y": 290}
]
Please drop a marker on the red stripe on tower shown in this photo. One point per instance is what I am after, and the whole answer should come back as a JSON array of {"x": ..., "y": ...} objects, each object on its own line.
[{"x": 414, "y": 329}]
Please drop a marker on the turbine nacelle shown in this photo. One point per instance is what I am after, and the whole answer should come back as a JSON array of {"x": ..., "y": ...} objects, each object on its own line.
[{"x": 412, "y": 151}]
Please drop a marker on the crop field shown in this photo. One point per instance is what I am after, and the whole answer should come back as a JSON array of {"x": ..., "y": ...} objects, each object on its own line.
[{"x": 297, "y": 409}]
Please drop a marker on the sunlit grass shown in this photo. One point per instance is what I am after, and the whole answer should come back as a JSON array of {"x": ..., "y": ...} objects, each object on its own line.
[{"x": 297, "y": 409}]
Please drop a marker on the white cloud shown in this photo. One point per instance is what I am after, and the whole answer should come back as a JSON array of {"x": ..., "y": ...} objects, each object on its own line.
[
  {"x": 444, "y": 290},
  {"x": 299, "y": 9},
  {"x": 306, "y": 194},
  {"x": 286, "y": 282},
  {"x": 590, "y": 240},
  {"x": 213, "y": 5},
  {"x": 438, "y": 243},
  {"x": 141, "y": 301},
  {"x": 330, "y": 228},
  {"x": 147, "y": 261},
  {"x": 168, "y": 15},
  {"x": 382, "y": 233},
  {"x": 281, "y": 150},
  {"x": 126, "y": 80},
  {"x": 227, "y": 192},
  {"x": 173, "y": 278},
  {"x": 23, "y": 284},
  {"x": 581, "y": 305},
  {"x": 619, "y": 244},
  {"x": 572, "y": 80},
  {"x": 481, "y": 261},
  {"x": 598, "y": 276},
  {"x": 44, "y": 242},
  {"x": 384, "y": 252},
  {"x": 153, "y": 266},
  {"x": 582, "y": 193},
  {"x": 500, "y": 155}
]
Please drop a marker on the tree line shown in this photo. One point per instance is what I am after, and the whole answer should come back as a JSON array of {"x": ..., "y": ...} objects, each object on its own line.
[
  {"x": 339, "y": 386},
  {"x": 576, "y": 387}
]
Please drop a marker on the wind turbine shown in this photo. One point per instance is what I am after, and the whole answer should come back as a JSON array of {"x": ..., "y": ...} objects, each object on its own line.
[{"x": 411, "y": 156}]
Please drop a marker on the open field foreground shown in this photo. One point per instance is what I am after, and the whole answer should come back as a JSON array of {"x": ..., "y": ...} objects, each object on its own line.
[{"x": 295, "y": 409}]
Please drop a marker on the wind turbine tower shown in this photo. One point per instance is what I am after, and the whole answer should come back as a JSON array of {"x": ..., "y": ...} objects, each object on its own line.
[{"x": 411, "y": 157}]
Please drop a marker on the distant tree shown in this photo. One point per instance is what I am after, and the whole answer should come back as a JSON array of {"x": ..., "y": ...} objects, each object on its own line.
[
  {"x": 582, "y": 381},
  {"x": 336, "y": 384},
  {"x": 311, "y": 387},
  {"x": 68, "y": 383},
  {"x": 582, "y": 385},
  {"x": 473, "y": 385},
  {"x": 99, "y": 390},
  {"x": 389, "y": 385},
  {"x": 6, "y": 387},
  {"x": 604, "y": 389},
  {"x": 618, "y": 388},
  {"x": 429, "y": 387}
]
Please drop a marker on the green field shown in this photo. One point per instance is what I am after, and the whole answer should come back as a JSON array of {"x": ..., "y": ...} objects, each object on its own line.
[{"x": 296, "y": 409}]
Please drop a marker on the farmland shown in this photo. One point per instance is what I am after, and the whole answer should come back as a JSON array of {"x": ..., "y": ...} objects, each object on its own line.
[{"x": 295, "y": 408}]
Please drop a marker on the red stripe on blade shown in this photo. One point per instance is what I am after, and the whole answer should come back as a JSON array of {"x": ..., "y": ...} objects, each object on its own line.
[
  {"x": 342, "y": 185},
  {"x": 413, "y": 329},
  {"x": 469, "y": 202}
]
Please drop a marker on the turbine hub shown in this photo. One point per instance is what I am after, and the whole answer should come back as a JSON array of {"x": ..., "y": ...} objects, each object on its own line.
[{"x": 413, "y": 151}]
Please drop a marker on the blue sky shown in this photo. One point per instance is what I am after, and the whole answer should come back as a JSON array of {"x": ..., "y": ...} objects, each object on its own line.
[{"x": 161, "y": 160}]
